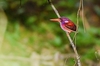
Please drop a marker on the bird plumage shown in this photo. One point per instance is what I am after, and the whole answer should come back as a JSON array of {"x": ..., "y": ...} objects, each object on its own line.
[{"x": 66, "y": 24}]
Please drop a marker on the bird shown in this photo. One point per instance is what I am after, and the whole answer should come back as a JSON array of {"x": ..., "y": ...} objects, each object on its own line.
[{"x": 66, "y": 24}]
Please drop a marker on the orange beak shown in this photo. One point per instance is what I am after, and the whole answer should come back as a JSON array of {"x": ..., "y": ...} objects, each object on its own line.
[{"x": 55, "y": 20}]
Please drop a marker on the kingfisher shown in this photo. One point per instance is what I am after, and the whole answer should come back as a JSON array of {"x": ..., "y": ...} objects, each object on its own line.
[{"x": 66, "y": 24}]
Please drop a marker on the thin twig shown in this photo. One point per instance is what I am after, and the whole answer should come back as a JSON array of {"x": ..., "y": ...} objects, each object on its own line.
[
  {"x": 55, "y": 10},
  {"x": 74, "y": 48},
  {"x": 78, "y": 14},
  {"x": 20, "y": 4},
  {"x": 71, "y": 42},
  {"x": 83, "y": 16}
]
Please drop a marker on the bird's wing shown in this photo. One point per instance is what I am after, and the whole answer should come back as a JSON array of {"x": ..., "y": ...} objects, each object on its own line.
[{"x": 70, "y": 25}]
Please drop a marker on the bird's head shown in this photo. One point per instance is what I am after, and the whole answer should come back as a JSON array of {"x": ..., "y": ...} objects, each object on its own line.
[
  {"x": 66, "y": 24},
  {"x": 62, "y": 20}
]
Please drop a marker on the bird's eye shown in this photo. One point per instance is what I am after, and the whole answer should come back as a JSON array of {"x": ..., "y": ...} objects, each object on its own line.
[{"x": 66, "y": 21}]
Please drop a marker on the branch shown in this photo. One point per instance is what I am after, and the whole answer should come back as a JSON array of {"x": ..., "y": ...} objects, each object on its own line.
[
  {"x": 55, "y": 10},
  {"x": 71, "y": 42},
  {"x": 74, "y": 48}
]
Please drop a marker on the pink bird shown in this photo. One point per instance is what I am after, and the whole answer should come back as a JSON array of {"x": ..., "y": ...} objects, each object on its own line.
[{"x": 66, "y": 24}]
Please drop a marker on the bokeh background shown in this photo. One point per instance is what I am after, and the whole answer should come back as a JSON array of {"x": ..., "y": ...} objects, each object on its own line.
[{"x": 29, "y": 38}]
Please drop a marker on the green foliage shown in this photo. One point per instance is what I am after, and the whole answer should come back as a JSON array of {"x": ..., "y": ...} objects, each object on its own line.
[
  {"x": 57, "y": 41},
  {"x": 31, "y": 20},
  {"x": 90, "y": 54},
  {"x": 30, "y": 29}
]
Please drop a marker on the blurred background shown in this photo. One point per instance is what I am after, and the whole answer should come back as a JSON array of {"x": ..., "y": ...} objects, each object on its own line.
[{"x": 29, "y": 38}]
